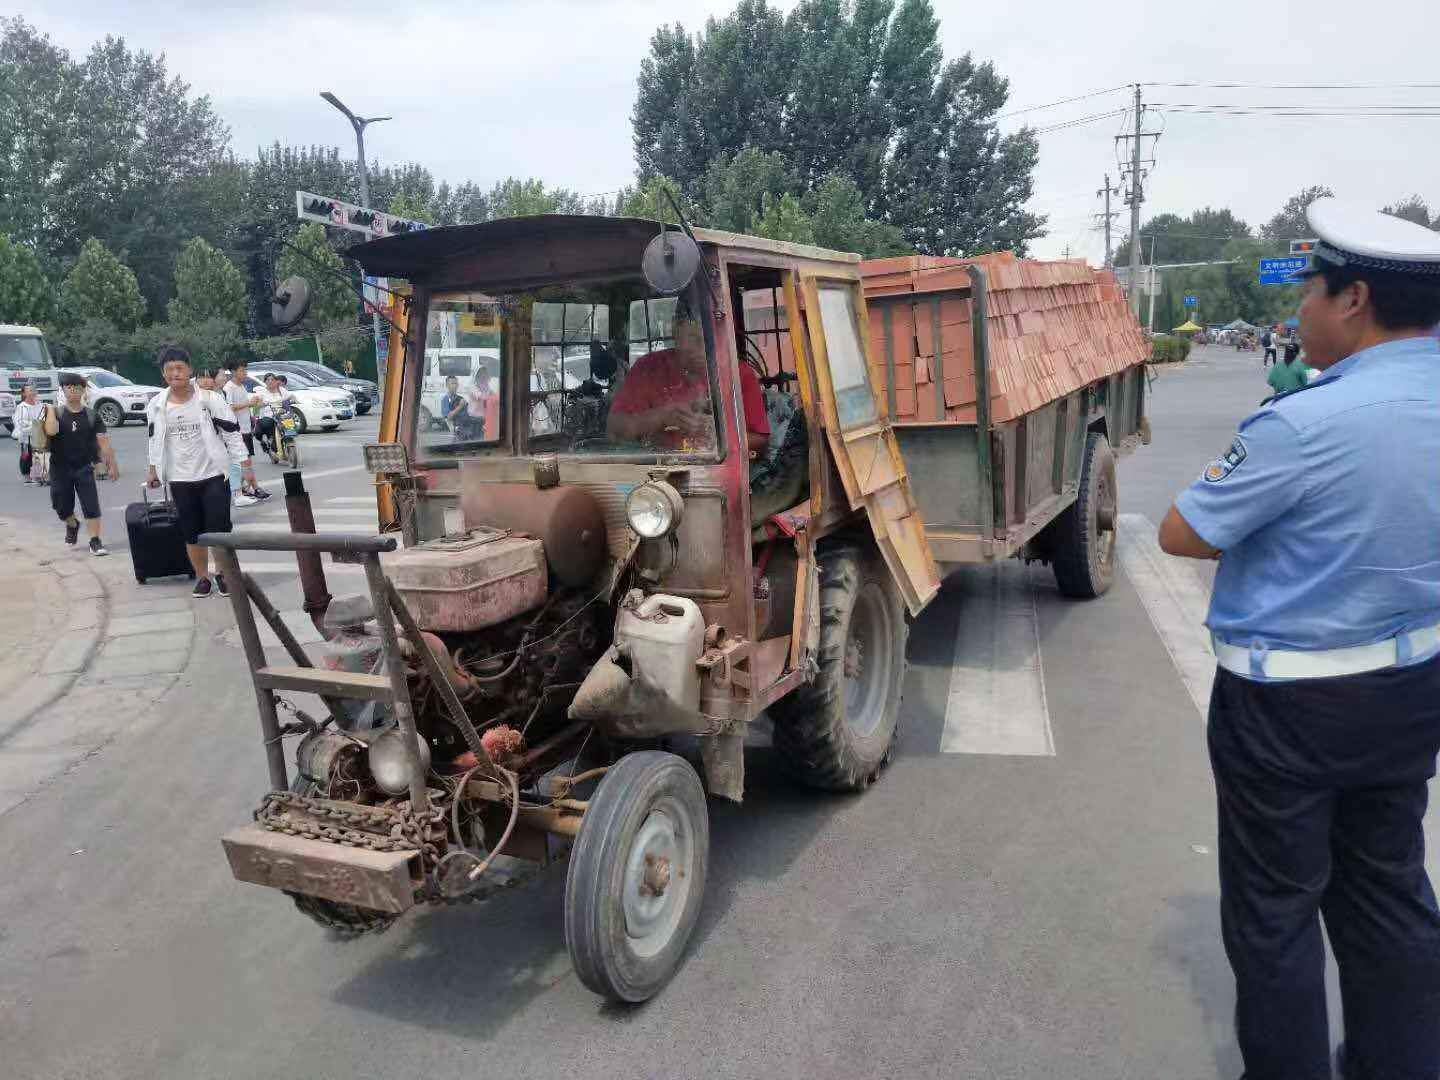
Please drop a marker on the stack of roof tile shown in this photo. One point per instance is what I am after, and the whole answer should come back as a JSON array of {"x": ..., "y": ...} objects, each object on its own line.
[{"x": 1053, "y": 328}]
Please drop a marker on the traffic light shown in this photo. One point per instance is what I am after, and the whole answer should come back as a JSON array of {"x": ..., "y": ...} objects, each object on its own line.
[
  {"x": 1302, "y": 247},
  {"x": 322, "y": 207}
]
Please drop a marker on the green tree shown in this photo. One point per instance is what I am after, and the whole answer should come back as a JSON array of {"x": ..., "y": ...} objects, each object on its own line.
[
  {"x": 1199, "y": 237},
  {"x": 855, "y": 89},
  {"x": 1414, "y": 208},
  {"x": 207, "y": 286},
  {"x": 784, "y": 218},
  {"x": 101, "y": 287},
  {"x": 101, "y": 148},
  {"x": 734, "y": 191},
  {"x": 838, "y": 221},
  {"x": 1289, "y": 221},
  {"x": 648, "y": 200},
  {"x": 211, "y": 341},
  {"x": 26, "y": 295}
]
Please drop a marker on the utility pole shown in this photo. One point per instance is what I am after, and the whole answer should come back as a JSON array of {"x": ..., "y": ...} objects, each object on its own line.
[
  {"x": 1108, "y": 217},
  {"x": 1134, "y": 173},
  {"x": 1136, "y": 197},
  {"x": 359, "y": 123}
]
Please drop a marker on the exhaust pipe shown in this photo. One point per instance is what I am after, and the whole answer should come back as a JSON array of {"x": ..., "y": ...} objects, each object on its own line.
[{"x": 312, "y": 570}]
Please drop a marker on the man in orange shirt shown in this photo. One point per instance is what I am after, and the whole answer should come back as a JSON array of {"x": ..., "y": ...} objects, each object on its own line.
[{"x": 664, "y": 401}]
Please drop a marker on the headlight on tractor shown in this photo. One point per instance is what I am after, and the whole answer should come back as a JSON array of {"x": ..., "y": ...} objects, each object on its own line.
[
  {"x": 654, "y": 509},
  {"x": 390, "y": 765}
]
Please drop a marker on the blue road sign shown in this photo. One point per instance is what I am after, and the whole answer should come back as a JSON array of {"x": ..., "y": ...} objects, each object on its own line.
[
  {"x": 1282, "y": 271},
  {"x": 1192, "y": 301}
]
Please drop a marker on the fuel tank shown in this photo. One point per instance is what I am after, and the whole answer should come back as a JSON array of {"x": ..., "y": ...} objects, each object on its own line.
[
  {"x": 469, "y": 580},
  {"x": 567, "y": 520}
]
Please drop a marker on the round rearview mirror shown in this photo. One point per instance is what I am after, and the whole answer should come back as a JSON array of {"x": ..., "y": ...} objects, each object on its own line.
[
  {"x": 670, "y": 262},
  {"x": 290, "y": 303}
]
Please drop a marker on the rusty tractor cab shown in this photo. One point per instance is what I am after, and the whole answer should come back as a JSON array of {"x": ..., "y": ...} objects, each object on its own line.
[{"x": 605, "y": 559}]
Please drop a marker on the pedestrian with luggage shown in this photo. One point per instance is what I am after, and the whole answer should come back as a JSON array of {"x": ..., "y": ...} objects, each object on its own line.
[
  {"x": 27, "y": 412},
  {"x": 77, "y": 441},
  {"x": 194, "y": 437},
  {"x": 1325, "y": 618}
]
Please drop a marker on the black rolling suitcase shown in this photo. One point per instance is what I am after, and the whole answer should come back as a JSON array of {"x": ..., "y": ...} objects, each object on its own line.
[{"x": 157, "y": 547}]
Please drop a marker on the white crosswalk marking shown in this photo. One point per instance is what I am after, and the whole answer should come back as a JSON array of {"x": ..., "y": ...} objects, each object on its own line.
[
  {"x": 996, "y": 703},
  {"x": 1176, "y": 598}
]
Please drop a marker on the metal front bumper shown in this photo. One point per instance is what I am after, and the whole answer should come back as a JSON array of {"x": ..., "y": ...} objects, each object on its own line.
[{"x": 380, "y": 880}]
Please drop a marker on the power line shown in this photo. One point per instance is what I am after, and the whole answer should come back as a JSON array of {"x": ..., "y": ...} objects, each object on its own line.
[
  {"x": 1302, "y": 86},
  {"x": 1077, "y": 122},
  {"x": 1063, "y": 101}
]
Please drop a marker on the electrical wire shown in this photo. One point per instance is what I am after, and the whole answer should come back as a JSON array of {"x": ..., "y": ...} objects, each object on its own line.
[
  {"x": 1064, "y": 101},
  {"x": 1078, "y": 121},
  {"x": 1301, "y": 86}
]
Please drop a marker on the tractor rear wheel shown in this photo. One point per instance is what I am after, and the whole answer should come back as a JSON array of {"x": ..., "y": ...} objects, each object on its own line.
[
  {"x": 837, "y": 731},
  {"x": 1083, "y": 537}
]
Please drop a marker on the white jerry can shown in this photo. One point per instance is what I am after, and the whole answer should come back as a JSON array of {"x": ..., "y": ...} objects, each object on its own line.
[{"x": 664, "y": 637}]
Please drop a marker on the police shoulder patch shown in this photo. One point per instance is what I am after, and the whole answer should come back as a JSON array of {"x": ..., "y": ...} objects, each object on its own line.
[{"x": 1226, "y": 463}]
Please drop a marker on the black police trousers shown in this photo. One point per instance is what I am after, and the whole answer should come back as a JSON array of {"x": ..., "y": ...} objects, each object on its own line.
[{"x": 1321, "y": 788}]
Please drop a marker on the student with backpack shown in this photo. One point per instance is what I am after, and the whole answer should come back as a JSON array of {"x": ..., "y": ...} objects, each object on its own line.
[{"x": 77, "y": 442}]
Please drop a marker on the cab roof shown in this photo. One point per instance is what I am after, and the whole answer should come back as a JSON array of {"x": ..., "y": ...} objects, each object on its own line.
[
  {"x": 416, "y": 256},
  {"x": 16, "y": 330}
]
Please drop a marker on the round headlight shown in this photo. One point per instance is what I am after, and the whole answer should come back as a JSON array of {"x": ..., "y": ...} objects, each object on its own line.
[
  {"x": 653, "y": 509},
  {"x": 389, "y": 763}
]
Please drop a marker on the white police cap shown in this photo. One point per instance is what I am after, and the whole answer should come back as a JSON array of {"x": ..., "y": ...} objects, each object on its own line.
[{"x": 1354, "y": 234}]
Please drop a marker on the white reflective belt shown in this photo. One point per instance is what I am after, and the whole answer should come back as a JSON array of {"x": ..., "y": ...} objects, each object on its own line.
[{"x": 1326, "y": 663}]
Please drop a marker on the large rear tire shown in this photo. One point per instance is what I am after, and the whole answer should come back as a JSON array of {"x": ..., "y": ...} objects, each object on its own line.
[
  {"x": 1083, "y": 542},
  {"x": 637, "y": 876},
  {"x": 837, "y": 732}
]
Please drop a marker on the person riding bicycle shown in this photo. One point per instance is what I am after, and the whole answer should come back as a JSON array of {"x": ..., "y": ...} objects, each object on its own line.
[{"x": 274, "y": 400}]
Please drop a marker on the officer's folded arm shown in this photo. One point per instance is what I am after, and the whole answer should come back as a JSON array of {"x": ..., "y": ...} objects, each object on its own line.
[{"x": 1178, "y": 538}]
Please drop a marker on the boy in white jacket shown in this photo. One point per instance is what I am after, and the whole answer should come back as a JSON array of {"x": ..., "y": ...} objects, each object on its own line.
[{"x": 193, "y": 440}]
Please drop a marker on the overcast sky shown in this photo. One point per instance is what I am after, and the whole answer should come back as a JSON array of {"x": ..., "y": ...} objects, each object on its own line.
[{"x": 495, "y": 88}]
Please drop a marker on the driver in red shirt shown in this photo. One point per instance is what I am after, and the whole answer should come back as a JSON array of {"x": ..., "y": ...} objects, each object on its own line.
[{"x": 665, "y": 398}]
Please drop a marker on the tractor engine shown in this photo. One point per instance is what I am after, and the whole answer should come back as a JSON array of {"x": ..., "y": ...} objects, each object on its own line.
[{"x": 514, "y": 613}]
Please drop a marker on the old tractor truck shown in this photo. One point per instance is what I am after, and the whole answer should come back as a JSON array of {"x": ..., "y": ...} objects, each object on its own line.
[{"x": 638, "y": 485}]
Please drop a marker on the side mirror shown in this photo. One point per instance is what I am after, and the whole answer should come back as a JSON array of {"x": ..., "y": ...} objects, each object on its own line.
[
  {"x": 291, "y": 302},
  {"x": 670, "y": 262}
]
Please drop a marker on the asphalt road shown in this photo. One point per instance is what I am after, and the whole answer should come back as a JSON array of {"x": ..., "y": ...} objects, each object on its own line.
[{"x": 1028, "y": 892}]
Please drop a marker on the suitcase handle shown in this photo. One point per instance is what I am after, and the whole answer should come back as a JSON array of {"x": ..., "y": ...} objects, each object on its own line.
[{"x": 145, "y": 493}]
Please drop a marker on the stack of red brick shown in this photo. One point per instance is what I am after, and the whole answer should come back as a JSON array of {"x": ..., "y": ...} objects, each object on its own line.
[{"x": 1053, "y": 328}]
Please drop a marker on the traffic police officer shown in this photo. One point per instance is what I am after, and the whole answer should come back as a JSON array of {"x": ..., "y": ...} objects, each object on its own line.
[{"x": 1325, "y": 717}]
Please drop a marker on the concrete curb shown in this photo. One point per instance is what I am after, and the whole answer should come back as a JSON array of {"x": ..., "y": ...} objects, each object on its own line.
[{"x": 85, "y": 619}]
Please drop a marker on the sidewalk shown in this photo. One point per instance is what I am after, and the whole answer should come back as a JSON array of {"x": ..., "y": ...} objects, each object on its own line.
[{"x": 89, "y": 652}]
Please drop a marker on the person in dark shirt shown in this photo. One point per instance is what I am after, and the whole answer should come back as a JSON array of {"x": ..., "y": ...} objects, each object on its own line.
[{"x": 78, "y": 442}]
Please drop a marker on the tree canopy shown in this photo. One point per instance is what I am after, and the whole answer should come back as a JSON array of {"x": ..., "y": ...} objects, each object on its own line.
[
  {"x": 25, "y": 294},
  {"x": 858, "y": 91}
]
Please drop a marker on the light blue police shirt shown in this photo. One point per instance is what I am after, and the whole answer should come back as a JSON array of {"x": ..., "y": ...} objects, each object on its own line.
[{"x": 1327, "y": 508}]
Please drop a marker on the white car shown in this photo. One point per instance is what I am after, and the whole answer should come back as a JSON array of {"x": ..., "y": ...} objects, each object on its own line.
[
  {"x": 324, "y": 407},
  {"x": 114, "y": 398}
]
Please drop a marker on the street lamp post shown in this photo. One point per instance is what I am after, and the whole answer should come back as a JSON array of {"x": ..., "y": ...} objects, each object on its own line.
[{"x": 360, "y": 123}]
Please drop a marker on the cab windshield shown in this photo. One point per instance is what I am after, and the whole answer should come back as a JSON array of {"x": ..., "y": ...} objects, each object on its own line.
[
  {"x": 24, "y": 352},
  {"x": 613, "y": 369}
]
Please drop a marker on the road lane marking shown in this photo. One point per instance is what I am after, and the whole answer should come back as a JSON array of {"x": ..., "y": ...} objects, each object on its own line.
[
  {"x": 1176, "y": 599},
  {"x": 996, "y": 703}
]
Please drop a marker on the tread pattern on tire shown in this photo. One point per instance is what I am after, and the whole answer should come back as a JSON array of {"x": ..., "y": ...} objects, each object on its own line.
[
  {"x": 1072, "y": 559},
  {"x": 586, "y": 913},
  {"x": 810, "y": 730}
]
